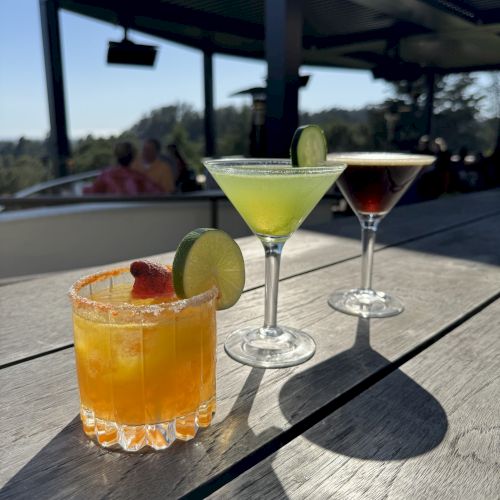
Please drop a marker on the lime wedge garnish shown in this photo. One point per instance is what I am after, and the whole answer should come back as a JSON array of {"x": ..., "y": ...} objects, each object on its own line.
[
  {"x": 308, "y": 148},
  {"x": 207, "y": 258}
]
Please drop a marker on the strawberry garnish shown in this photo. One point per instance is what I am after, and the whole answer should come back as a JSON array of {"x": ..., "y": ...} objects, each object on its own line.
[{"x": 151, "y": 280}]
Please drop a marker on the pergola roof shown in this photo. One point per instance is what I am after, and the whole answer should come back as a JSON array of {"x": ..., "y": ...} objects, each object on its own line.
[
  {"x": 442, "y": 35},
  {"x": 396, "y": 39}
]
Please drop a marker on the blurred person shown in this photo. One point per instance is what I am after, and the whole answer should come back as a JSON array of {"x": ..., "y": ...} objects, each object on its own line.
[
  {"x": 439, "y": 146},
  {"x": 425, "y": 187},
  {"x": 458, "y": 173},
  {"x": 157, "y": 169},
  {"x": 185, "y": 179},
  {"x": 467, "y": 174},
  {"x": 493, "y": 166},
  {"x": 480, "y": 167},
  {"x": 424, "y": 146},
  {"x": 463, "y": 153},
  {"x": 442, "y": 165},
  {"x": 435, "y": 179},
  {"x": 121, "y": 178}
]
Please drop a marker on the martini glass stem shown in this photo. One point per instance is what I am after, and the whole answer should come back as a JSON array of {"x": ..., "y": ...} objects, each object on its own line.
[
  {"x": 369, "y": 227},
  {"x": 273, "y": 251}
]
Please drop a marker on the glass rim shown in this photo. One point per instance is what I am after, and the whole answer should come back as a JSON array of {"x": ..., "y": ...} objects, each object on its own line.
[
  {"x": 268, "y": 165},
  {"x": 381, "y": 158},
  {"x": 172, "y": 306}
]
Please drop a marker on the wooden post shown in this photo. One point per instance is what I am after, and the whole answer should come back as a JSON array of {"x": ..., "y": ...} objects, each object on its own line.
[
  {"x": 59, "y": 144},
  {"x": 283, "y": 31},
  {"x": 209, "y": 103}
]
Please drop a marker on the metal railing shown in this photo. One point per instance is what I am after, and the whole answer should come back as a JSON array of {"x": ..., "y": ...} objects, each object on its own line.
[
  {"x": 56, "y": 183},
  {"x": 212, "y": 196}
]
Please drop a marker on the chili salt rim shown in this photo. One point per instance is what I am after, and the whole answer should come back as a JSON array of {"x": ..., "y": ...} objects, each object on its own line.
[{"x": 174, "y": 306}]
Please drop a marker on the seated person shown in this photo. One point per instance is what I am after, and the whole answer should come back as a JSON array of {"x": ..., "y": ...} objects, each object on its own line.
[
  {"x": 154, "y": 167},
  {"x": 121, "y": 179},
  {"x": 185, "y": 179}
]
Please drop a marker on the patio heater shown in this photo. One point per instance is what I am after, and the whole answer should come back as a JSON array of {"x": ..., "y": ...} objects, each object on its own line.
[{"x": 258, "y": 141}]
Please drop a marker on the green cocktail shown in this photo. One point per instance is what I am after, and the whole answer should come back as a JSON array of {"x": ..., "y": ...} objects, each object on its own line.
[
  {"x": 274, "y": 201},
  {"x": 274, "y": 198}
]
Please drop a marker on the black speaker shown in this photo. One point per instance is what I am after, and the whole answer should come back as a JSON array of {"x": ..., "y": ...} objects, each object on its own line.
[{"x": 127, "y": 52}]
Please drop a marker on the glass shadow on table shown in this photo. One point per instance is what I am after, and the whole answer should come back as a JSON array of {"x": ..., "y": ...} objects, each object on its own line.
[
  {"x": 394, "y": 419},
  {"x": 72, "y": 466}
]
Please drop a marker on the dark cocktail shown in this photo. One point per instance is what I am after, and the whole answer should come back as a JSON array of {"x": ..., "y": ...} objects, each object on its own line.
[
  {"x": 372, "y": 184},
  {"x": 375, "y": 189}
]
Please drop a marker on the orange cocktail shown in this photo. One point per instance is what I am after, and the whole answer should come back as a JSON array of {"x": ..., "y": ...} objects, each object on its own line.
[{"x": 146, "y": 367}]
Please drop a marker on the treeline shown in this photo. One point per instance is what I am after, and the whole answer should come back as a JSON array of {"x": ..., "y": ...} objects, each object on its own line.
[{"x": 26, "y": 161}]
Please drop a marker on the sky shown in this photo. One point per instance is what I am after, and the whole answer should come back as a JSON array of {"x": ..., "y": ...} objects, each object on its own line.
[{"x": 105, "y": 99}]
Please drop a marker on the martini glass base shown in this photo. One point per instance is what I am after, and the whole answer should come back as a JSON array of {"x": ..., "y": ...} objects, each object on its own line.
[
  {"x": 365, "y": 303},
  {"x": 270, "y": 348}
]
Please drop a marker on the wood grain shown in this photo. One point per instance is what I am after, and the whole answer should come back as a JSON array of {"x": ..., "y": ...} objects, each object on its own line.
[
  {"x": 429, "y": 430},
  {"x": 48, "y": 328},
  {"x": 44, "y": 453}
]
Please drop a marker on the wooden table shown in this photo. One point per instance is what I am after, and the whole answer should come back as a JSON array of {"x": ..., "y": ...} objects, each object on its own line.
[{"x": 404, "y": 407}]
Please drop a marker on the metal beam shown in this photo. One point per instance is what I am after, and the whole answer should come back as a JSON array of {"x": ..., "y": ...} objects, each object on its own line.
[
  {"x": 194, "y": 18},
  {"x": 417, "y": 12},
  {"x": 244, "y": 39},
  {"x": 394, "y": 32},
  {"x": 209, "y": 117},
  {"x": 457, "y": 8},
  {"x": 467, "y": 69},
  {"x": 164, "y": 24},
  {"x": 283, "y": 23},
  {"x": 59, "y": 144}
]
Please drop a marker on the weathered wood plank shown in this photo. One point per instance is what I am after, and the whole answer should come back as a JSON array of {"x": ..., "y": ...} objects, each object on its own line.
[
  {"x": 47, "y": 328},
  {"x": 43, "y": 450},
  {"x": 428, "y": 430}
]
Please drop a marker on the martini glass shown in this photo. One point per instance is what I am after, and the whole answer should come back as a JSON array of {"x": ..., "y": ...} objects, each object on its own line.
[
  {"x": 274, "y": 198},
  {"x": 372, "y": 184}
]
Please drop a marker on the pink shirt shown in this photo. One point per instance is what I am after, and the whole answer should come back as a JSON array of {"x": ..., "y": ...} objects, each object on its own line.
[{"x": 122, "y": 180}]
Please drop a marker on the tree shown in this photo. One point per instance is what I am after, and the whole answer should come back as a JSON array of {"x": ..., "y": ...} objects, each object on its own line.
[
  {"x": 495, "y": 100},
  {"x": 233, "y": 130},
  {"x": 91, "y": 154},
  {"x": 457, "y": 112}
]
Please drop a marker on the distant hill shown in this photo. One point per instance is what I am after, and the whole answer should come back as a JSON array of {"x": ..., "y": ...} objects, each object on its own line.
[
  {"x": 161, "y": 122},
  {"x": 328, "y": 116}
]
